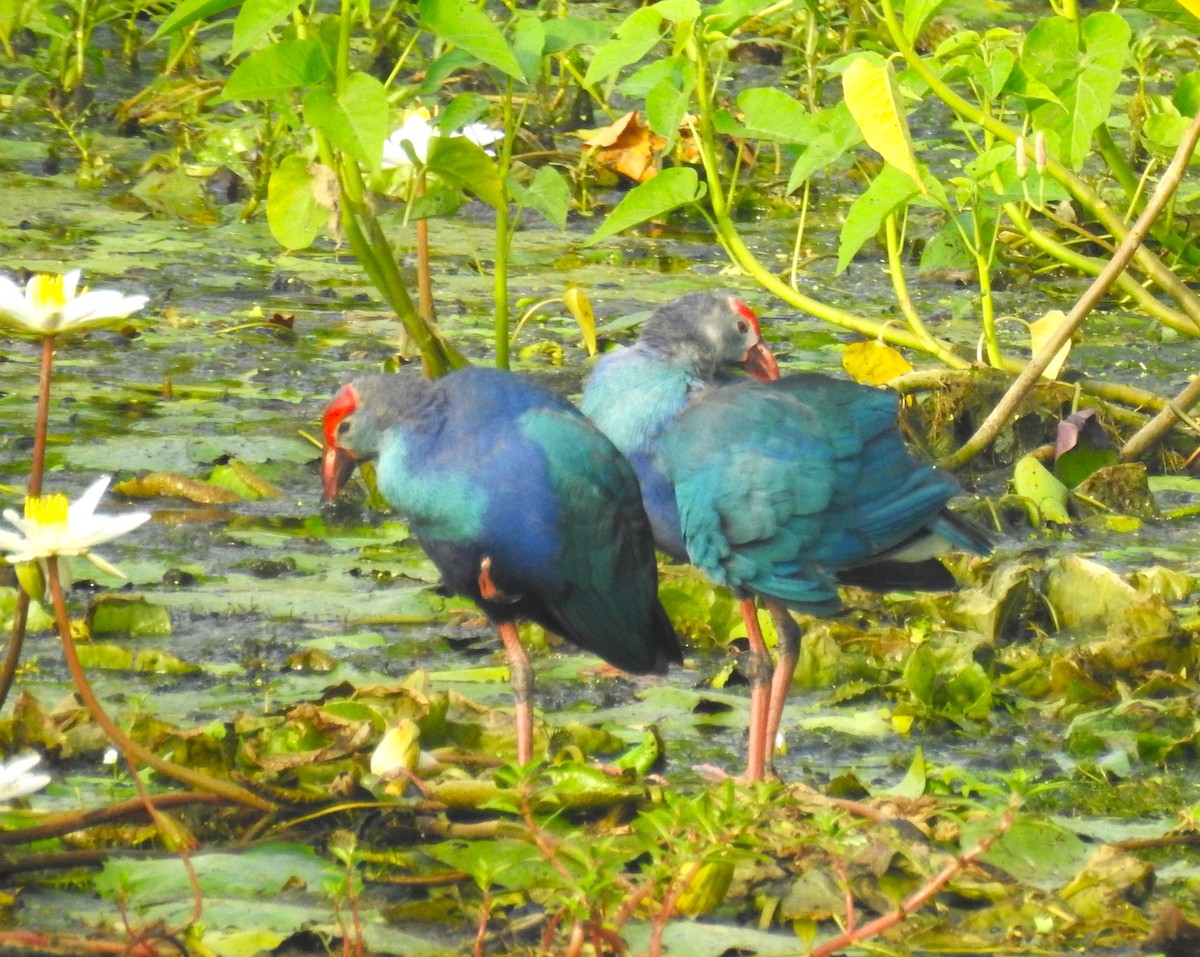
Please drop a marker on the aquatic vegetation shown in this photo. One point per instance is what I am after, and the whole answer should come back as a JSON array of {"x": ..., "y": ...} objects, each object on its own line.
[{"x": 916, "y": 182}]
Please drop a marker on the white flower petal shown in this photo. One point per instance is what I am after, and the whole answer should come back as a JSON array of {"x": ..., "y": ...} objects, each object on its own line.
[
  {"x": 12, "y": 297},
  {"x": 100, "y": 305},
  {"x": 18, "y": 311},
  {"x": 87, "y": 502},
  {"x": 26, "y": 784},
  {"x": 81, "y": 529},
  {"x": 417, "y": 132},
  {"x": 114, "y": 526},
  {"x": 70, "y": 283},
  {"x": 10, "y": 770},
  {"x": 15, "y": 779},
  {"x": 50, "y": 305},
  {"x": 481, "y": 134},
  {"x": 105, "y": 565},
  {"x": 11, "y": 544}
]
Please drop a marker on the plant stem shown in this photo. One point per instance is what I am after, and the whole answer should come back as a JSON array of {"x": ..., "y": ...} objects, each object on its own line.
[
  {"x": 1141, "y": 441},
  {"x": 1145, "y": 258},
  {"x": 424, "y": 276},
  {"x": 1092, "y": 266},
  {"x": 737, "y": 250},
  {"x": 504, "y": 234},
  {"x": 1000, "y": 415},
  {"x": 127, "y": 745},
  {"x": 12, "y": 657},
  {"x": 371, "y": 247},
  {"x": 900, "y": 287},
  {"x": 987, "y": 308},
  {"x": 37, "y": 469}
]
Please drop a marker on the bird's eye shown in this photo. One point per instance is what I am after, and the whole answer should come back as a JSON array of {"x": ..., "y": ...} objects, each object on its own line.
[
  {"x": 743, "y": 326},
  {"x": 343, "y": 427}
]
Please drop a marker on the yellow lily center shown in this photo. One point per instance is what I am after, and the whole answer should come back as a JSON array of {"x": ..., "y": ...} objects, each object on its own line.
[
  {"x": 47, "y": 291},
  {"x": 46, "y": 509}
]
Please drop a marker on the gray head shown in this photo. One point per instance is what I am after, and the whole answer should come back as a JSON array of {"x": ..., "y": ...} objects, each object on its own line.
[
  {"x": 711, "y": 333},
  {"x": 361, "y": 412}
]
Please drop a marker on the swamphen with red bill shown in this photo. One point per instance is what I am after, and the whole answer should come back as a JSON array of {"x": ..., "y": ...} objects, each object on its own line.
[
  {"x": 522, "y": 503},
  {"x": 779, "y": 487}
]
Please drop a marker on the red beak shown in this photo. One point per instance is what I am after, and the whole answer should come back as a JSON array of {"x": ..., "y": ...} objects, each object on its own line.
[
  {"x": 760, "y": 362},
  {"x": 336, "y": 468}
]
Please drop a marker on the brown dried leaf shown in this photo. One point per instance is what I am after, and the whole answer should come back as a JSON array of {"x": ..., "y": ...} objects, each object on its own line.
[{"x": 627, "y": 146}]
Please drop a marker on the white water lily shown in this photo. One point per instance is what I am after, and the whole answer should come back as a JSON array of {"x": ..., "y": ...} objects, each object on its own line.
[
  {"x": 417, "y": 131},
  {"x": 15, "y": 779},
  {"x": 52, "y": 526},
  {"x": 51, "y": 305}
]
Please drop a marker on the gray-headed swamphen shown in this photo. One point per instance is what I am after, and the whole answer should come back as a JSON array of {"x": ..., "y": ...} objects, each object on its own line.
[
  {"x": 524, "y": 506},
  {"x": 779, "y": 487}
]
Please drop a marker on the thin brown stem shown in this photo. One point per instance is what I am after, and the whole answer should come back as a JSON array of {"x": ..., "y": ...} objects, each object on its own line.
[
  {"x": 917, "y": 899},
  {"x": 16, "y": 641},
  {"x": 485, "y": 913},
  {"x": 43, "y": 419},
  {"x": 424, "y": 275},
  {"x": 66, "y": 822},
  {"x": 127, "y": 745}
]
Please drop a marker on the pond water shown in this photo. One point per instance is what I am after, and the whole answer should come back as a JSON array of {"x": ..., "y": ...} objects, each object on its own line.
[
  {"x": 203, "y": 377},
  {"x": 275, "y": 600}
]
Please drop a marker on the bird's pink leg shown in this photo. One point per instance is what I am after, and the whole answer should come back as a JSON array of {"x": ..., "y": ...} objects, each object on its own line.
[
  {"x": 787, "y": 654},
  {"x": 521, "y": 676},
  {"x": 758, "y": 670},
  {"x": 520, "y": 672}
]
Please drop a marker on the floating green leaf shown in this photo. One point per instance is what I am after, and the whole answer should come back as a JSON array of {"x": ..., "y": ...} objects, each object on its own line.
[{"x": 127, "y": 614}]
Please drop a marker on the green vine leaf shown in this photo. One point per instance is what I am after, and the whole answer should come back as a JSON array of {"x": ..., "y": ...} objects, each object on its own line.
[
  {"x": 467, "y": 27},
  {"x": 890, "y": 190},
  {"x": 355, "y": 120},
  {"x": 256, "y": 19},
  {"x": 277, "y": 69},
  {"x": 669, "y": 190},
  {"x": 295, "y": 211}
]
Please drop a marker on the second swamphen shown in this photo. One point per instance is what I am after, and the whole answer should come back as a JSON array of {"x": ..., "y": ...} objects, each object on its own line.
[
  {"x": 523, "y": 505},
  {"x": 779, "y": 487}
]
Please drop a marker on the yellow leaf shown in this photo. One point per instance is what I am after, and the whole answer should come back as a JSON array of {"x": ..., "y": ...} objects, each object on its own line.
[
  {"x": 399, "y": 749},
  {"x": 168, "y": 483},
  {"x": 706, "y": 889},
  {"x": 872, "y": 100},
  {"x": 1191, "y": 6},
  {"x": 1040, "y": 333},
  {"x": 873, "y": 363},
  {"x": 581, "y": 308}
]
